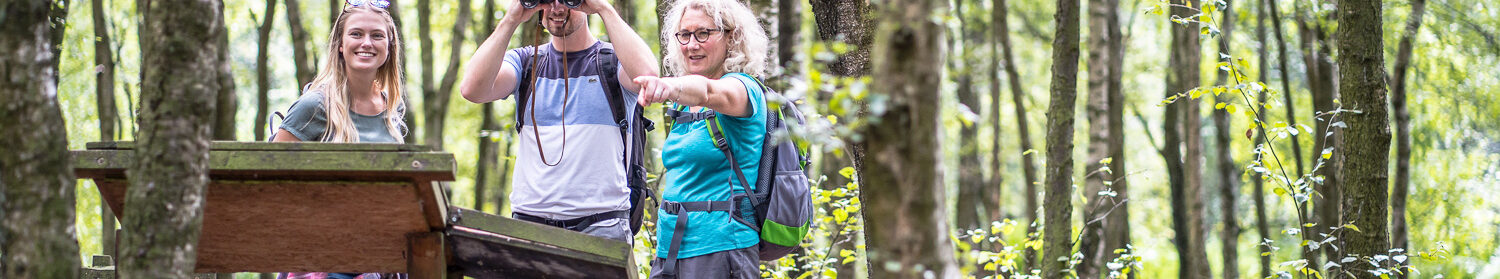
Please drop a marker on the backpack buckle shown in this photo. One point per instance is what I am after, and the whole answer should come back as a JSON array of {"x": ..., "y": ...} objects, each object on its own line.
[{"x": 721, "y": 142}]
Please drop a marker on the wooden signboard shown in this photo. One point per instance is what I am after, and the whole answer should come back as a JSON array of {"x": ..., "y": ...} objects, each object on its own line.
[{"x": 307, "y": 207}]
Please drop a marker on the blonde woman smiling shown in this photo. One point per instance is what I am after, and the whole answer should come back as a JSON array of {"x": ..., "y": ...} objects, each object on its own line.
[{"x": 357, "y": 96}]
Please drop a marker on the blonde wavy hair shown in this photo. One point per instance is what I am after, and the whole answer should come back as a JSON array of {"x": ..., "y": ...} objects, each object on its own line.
[
  {"x": 332, "y": 80},
  {"x": 746, "y": 40}
]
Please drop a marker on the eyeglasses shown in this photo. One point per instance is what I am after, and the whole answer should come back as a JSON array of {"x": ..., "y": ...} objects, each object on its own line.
[
  {"x": 701, "y": 35},
  {"x": 372, "y": 3}
]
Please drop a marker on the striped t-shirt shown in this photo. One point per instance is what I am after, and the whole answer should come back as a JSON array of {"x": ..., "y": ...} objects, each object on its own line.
[{"x": 585, "y": 148}]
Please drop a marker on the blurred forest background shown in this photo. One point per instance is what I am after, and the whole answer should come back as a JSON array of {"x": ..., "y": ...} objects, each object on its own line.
[{"x": 1169, "y": 102}]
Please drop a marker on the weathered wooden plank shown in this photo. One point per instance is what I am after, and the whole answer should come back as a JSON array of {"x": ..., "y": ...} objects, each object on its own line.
[
  {"x": 298, "y": 164},
  {"x": 296, "y": 226},
  {"x": 488, "y": 246},
  {"x": 437, "y": 211},
  {"x": 428, "y": 256},
  {"x": 281, "y": 146}
]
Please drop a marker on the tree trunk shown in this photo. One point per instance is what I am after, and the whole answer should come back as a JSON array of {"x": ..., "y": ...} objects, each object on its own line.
[
  {"x": 766, "y": 15},
  {"x": 182, "y": 52},
  {"x": 1096, "y": 177},
  {"x": 1326, "y": 181},
  {"x": 626, "y": 8},
  {"x": 1028, "y": 167},
  {"x": 1058, "y": 234},
  {"x": 846, "y": 21},
  {"x": 435, "y": 102},
  {"x": 431, "y": 136},
  {"x": 1228, "y": 178},
  {"x": 903, "y": 180},
  {"x": 334, "y": 7},
  {"x": 409, "y": 119},
  {"x": 995, "y": 183},
  {"x": 788, "y": 25},
  {"x": 1368, "y": 138},
  {"x": 1402, "y": 184},
  {"x": 228, "y": 102},
  {"x": 36, "y": 173},
  {"x": 1186, "y": 181},
  {"x": 104, "y": 83},
  {"x": 1291, "y": 120},
  {"x": 484, "y": 166},
  {"x": 1262, "y": 227},
  {"x": 1286, "y": 85},
  {"x": 300, "y": 48},
  {"x": 263, "y": 72},
  {"x": 1117, "y": 224},
  {"x": 970, "y": 206}
]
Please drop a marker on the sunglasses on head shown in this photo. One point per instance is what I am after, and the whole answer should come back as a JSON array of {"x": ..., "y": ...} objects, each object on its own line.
[{"x": 372, "y": 3}]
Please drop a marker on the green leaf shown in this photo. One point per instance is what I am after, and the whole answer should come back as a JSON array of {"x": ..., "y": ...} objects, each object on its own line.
[{"x": 1352, "y": 227}]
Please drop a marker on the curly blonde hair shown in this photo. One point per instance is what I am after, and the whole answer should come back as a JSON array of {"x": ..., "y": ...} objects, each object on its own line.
[{"x": 748, "y": 43}]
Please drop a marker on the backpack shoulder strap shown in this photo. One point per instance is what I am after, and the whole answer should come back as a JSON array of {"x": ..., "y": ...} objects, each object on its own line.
[
  {"x": 609, "y": 79},
  {"x": 524, "y": 88}
]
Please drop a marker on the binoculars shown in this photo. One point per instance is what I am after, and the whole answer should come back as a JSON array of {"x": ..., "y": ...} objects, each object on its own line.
[{"x": 572, "y": 4}]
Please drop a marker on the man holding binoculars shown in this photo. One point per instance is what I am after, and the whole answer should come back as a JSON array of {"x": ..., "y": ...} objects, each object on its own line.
[{"x": 578, "y": 121}]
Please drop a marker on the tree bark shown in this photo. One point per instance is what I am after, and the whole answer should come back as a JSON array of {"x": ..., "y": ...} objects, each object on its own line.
[
  {"x": 300, "y": 48},
  {"x": 1368, "y": 138},
  {"x": 970, "y": 205},
  {"x": 1402, "y": 185},
  {"x": 1028, "y": 167},
  {"x": 1326, "y": 181},
  {"x": 1286, "y": 84},
  {"x": 995, "y": 183},
  {"x": 484, "y": 166},
  {"x": 1228, "y": 178},
  {"x": 435, "y": 100},
  {"x": 228, "y": 102},
  {"x": 1117, "y": 224},
  {"x": 409, "y": 119},
  {"x": 1057, "y": 240},
  {"x": 431, "y": 136},
  {"x": 334, "y": 7},
  {"x": 1096, "y": 178},
  {"x": 766, "y": 14},
  {"x": 263, "y": 71},
  {"x": 1187, "y": 191},
  {"x": 789, "y": 26},
  {"x": 104, "y": 83},
  {"x": 1291, "y": 120},
  {"x": 626, "y": 8},
  {"x": 36, "y": 173},
  {"x": 903, "y": 180},
  {"x": 181, "y": 51},
  {"x": 1262, "y": 227},
  {"x": 846, "y": 21}
]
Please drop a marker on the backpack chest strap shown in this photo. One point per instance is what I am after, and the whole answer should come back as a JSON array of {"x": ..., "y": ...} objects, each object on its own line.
[
  {"x": 669, "y": 268},
  {"x": 679, "y": 116}
]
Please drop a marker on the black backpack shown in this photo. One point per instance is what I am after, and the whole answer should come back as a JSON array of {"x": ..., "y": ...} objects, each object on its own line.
[{"x": 632, "y": 133}]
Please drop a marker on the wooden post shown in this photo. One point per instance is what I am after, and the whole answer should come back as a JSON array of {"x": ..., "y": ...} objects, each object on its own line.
[{"x": 428, "y": 258}]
